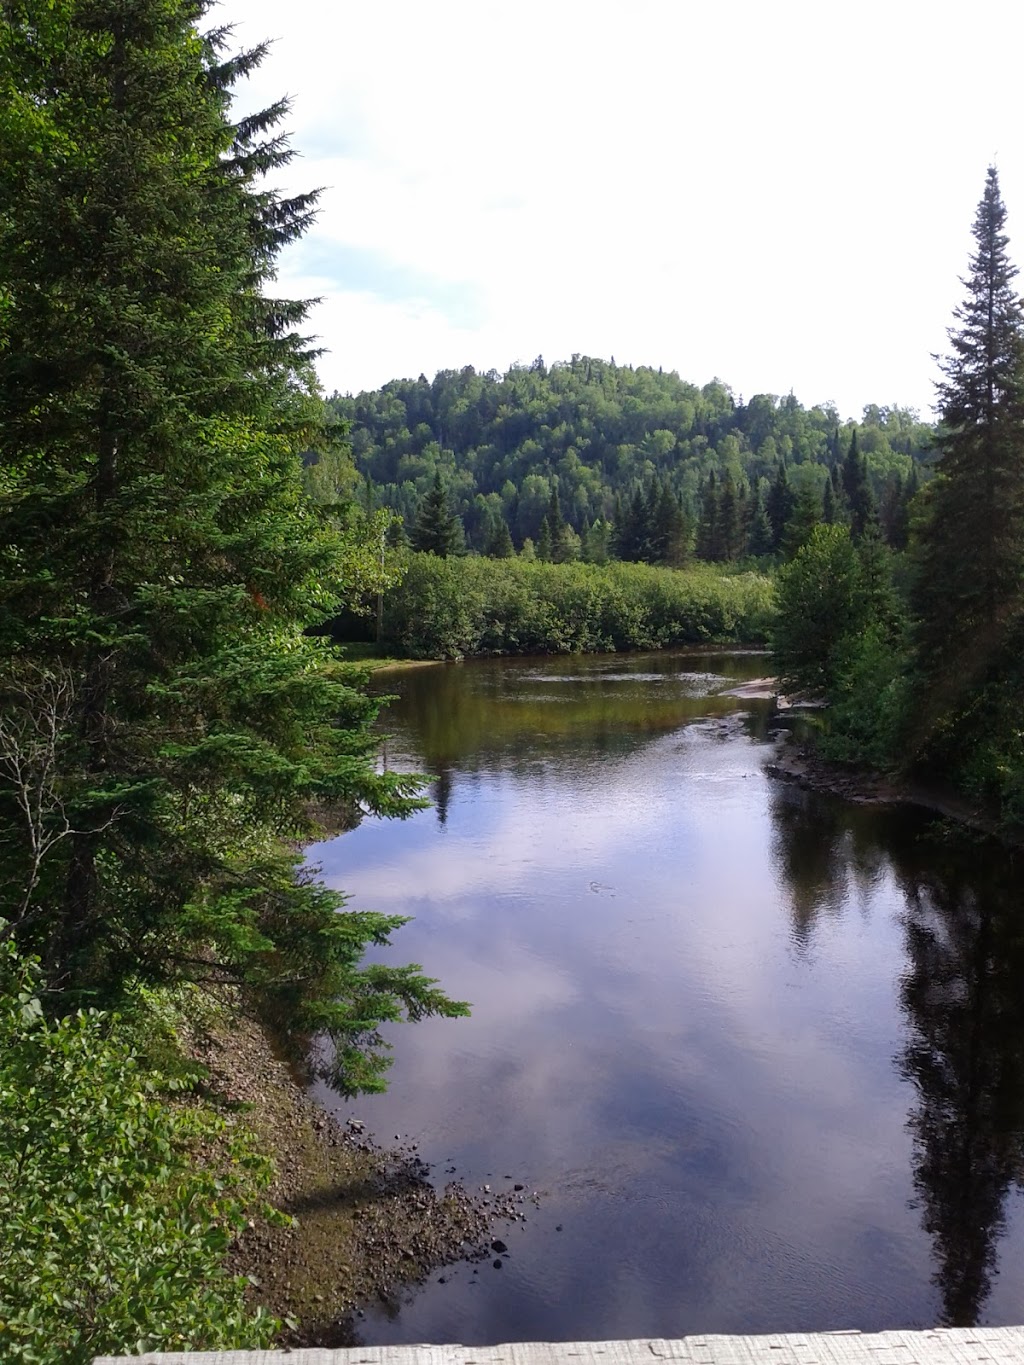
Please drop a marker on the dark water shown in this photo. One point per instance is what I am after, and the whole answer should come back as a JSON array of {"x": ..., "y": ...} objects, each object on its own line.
[{"x": 761, "y": 1051}]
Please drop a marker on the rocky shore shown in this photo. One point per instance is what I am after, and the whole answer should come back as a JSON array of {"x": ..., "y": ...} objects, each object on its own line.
[
  {"x": 367, "y": 1222},
  {"x": 799, "y": 764}
]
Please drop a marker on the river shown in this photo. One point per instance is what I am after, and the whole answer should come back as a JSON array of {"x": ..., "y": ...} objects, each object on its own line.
[{"x": 759, "y": 1051}]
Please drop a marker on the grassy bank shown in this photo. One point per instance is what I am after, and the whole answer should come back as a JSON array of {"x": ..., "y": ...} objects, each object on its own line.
[{"x": 451, "y": 608}]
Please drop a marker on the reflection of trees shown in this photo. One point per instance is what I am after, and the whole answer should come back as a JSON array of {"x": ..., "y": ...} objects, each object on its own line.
[
  {"x": 810, "y": 851},
  {"x": 964, "y": 995},
  {"x": 821, "y": 846},
  {"x": 442, "y": 792}
]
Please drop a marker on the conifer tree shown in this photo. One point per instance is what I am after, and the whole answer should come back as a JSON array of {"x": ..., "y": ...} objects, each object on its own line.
[
  {"x": 437, "y": 530},
  {"x": 499, "y": 540},
  {"x": 969, "y": 593},
  {"x": 159, "y": 561},
  {"x": 857, "y": 489},
  {"x": 731, "y": 529},
  {"x": 709, "y": 539},
  {"x": 761, "y": 538},
  {"x": 779, "y": 505}
]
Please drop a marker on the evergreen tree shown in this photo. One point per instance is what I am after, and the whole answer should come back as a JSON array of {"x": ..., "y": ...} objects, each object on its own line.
[
  {"x": 805, "y": 516},
  {"x": 632, "y": 536},
  {"x": 970, "y": 552},
  {"x": 857, "y": 490},
  {"x": 544, "y": 548},
  {"x": 779, "y": 505},
  {"x": 731, "y": 528},
  {"x": 499, "y": 540},
  {"x": 159, "y": 562},
  {"x": 709, "y": 539},
  {"x": 761, "y": 537},
  {"x": 437, "y": 530},
  {"x": 562, "y": 547},
  {"x": 669, "y": 531}
]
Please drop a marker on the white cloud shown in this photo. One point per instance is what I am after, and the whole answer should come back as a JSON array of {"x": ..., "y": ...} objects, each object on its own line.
[{"x": 776, "y": 194}]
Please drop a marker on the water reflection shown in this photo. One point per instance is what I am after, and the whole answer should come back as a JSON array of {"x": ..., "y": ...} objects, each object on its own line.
[
  {"x": 828, "y": 853},
  {"x": 704, "y": 1004},
  {"x": 964, "y": 997}
]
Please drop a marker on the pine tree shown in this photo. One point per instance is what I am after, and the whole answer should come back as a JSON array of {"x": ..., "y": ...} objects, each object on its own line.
[
  {"x": 779, "y": 505},
  {"x": 857, "y": 489},
  {"x": 969, "y": 593},
  {"x": 159, "y": 561},
  {"x": 805, "y": 516},
  {"x": 709, "y": 539},
  {"x": 437, "y": 530},
  {"x": 761, "y": 537},
  {"x": 499, "y": 540},
  {"x": 669, "y": 531},
  {"x": 731, "y": 528},
  {"x": 973, "y": 548}
]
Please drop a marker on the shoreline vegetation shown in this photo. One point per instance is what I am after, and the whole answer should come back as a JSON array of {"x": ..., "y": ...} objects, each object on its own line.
[{"x": 458, "y": 607}]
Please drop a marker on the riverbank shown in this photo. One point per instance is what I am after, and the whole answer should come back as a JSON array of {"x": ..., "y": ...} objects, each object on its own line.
[
  {"x": 797, "y": 763},
  {"x": 366, "y": 1222}
]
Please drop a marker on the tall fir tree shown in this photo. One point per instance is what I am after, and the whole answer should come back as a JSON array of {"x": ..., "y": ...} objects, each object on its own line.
[
  {"x": 860, "y": 499},
  {"x": 158, "y": 560},
  {"x": 709, "y": 533},
  {"x": 969, "y": 592},
  {"x": 779, "y": 505},
  {"x": 437, "y": 530}
]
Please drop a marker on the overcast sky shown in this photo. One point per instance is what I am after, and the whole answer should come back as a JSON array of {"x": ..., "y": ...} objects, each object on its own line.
[{"x": 776, "y": 193}]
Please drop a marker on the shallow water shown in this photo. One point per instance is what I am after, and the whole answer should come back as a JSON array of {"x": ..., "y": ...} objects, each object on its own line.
[{"x": 760, "y": 1051}]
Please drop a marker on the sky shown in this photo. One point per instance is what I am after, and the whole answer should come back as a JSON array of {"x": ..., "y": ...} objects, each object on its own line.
[{"x": 776, "y": 193}]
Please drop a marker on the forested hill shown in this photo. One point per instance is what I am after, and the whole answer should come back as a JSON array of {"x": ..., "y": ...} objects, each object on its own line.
[{"x": 606, "y": 437}]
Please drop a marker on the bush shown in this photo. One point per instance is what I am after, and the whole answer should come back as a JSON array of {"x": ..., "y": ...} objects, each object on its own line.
[
  {"x": 117, "y": 1207},
  {"x": 866, "y": 720},
  {"x": 449, "y": 608}
]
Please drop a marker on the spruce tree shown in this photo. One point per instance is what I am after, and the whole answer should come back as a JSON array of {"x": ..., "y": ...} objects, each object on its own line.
[
  {"x": 437, "y": 530},
  {"x": 779, "y": 505},
  {"x": 709, "y": 539},
  {"x": 761, "y": 538},
  {"x": 857, "y": 490},
  {"x": 499, "y": 540},
  {"x": 969, "y": 592},
  {"x": 972, "y": 549},
  {"x": 159, "y": 562}
]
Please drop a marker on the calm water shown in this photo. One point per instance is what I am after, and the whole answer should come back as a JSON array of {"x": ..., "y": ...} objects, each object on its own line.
[{"x": 761, "y": 1052}]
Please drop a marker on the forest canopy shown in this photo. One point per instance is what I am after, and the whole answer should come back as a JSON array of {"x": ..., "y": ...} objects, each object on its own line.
[{"x": 608, "y": 441}]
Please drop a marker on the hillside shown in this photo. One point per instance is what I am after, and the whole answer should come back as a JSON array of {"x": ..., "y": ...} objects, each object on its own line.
[{"x": 605, "y": 437}]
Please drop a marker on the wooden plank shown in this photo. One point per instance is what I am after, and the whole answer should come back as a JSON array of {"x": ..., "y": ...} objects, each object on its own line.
[{"x": 938, "y": 1346}]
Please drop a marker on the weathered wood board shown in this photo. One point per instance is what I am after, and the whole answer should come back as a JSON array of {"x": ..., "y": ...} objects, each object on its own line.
[{"x": 939, "y": 1346}]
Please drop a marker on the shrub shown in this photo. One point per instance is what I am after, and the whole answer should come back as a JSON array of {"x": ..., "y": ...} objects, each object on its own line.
[
  {"x": 116, "y": 1206},
  {"x": 448, "y": 608}
]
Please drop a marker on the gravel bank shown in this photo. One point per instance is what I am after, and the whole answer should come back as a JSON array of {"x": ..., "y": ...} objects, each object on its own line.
[{"x": 368, "y": 1222}]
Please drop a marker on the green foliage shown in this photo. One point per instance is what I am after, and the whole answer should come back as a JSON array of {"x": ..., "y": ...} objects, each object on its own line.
[
  {"x": 116, "y": 1206},
  {"x": 605, "y": 436},
  {"x": 818, "y": 605},
  {"x": 968, "y": 545},
  {"x": 937, "y": 688},
  {"x": 869, "y": 699},
  {"x": 437, "y": 531},
  {"x": 168, "y": 723},
  {"x": 451, "y": 608}
]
